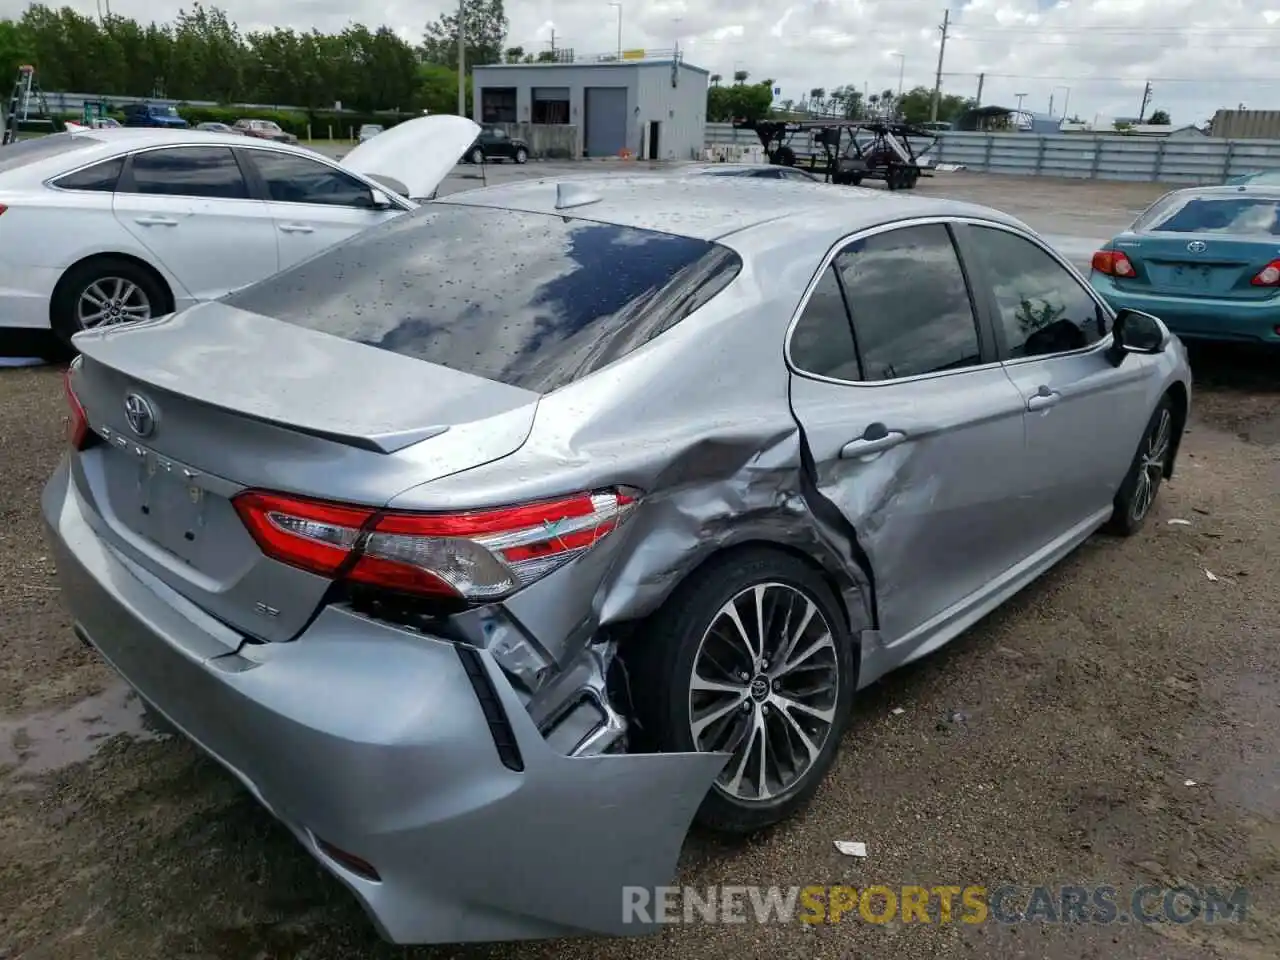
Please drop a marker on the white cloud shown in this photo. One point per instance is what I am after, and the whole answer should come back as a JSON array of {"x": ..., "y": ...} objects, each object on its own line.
[{"x": 1198, "y": 56}]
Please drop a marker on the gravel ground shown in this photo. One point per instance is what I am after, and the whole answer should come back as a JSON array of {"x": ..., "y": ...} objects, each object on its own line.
[{"x": 1051, "y": 744}]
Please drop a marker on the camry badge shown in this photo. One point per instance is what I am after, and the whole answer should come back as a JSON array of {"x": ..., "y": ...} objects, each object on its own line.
[
  {"x": 1196, "y": 246},
  {"x": 138, "y": 412}
]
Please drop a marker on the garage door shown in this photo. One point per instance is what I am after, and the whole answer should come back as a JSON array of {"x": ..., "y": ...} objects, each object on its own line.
[{"x": 606, "y": 126}]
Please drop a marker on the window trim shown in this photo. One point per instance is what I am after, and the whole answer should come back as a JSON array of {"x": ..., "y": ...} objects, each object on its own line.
[
  {"x": 1102, "y": 344},
  {"x": 979, "y": 306}
]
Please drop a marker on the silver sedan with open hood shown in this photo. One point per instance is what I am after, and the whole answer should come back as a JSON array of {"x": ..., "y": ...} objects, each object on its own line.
[{"x": 494, "y": 546}]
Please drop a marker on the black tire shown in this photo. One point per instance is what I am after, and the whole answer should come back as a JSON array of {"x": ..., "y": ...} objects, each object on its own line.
[
  {"x": 521, "y": 155},
  {"x": 476, "y": 155},
  {"x": 661, "y": 664},
  {"x": 891, "y": 178},
  {"x": 855, "y": 179},
  {"x": 1132, "y": 503},
  {"x": 63, "y": 305},
  {"x": 785, "y": 157},
  {"x": 913, "y": 177}
]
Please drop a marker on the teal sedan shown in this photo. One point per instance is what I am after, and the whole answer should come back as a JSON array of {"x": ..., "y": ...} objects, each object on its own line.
[{"x": 1205, "y": 260}]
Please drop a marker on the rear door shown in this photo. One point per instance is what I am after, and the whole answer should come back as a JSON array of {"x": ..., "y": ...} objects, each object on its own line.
[
  {"x": 915, "y": 431},
  {"x": 313, "y": 205},
  {"x": 192, "y": 207},
  {"x": 1084, "y": 415}
]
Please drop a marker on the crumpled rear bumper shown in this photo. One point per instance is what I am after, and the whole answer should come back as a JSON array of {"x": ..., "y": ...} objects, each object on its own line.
[{"x": 373, "y": 739}]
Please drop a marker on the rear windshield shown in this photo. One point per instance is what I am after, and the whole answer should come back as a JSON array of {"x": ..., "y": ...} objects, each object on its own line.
[
  {"x": 19, "y": 154},
  {"x": 1243, "y": 216},
  {"x": 531, "y": 300}
]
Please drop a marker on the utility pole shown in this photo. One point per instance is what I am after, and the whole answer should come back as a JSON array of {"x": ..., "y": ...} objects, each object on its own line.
[
  {"x": 1051, "y": 104},
  {"x": 942, "y": 49},
  {"x": 1146, "y": 99},
  {"x": 462, "y": 58},
  {"x": 978, "y": 99},
  {"x": 619, "y": 6}
]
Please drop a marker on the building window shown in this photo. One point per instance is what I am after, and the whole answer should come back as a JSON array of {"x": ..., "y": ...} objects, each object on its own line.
[
  {"x": 498, "y": 105},
  {"x": 551, "y": 105}
]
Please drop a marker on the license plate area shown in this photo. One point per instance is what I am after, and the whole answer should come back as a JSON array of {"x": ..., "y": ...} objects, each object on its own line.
[
  {"x": 161, "y": 501},
  {"x": 1189, "y": 276}
]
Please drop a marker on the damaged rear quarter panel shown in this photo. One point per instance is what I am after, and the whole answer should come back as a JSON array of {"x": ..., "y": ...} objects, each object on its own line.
[{"x": 699, "y": 420}]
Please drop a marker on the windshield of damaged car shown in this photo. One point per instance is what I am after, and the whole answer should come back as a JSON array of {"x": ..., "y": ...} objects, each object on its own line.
[
  {"x": 1242, "y": 216},
  {"x": 532, "y": 300}
]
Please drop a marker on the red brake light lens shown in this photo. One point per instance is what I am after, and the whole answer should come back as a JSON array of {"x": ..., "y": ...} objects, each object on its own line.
[
  {"x": 1114, "y": 263},
  {"x": 1268, "y": 276},
  {"x": 476, "y": 555},
  {"x": 78, "y": 433}
]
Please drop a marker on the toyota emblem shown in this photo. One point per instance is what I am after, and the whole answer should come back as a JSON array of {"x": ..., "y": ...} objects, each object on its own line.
[
  {"x": 138, "y": 412},
  {"x": 1196, "y": 246}
]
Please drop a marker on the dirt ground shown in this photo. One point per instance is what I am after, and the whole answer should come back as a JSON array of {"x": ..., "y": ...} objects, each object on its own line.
[{"x": 1051, "y": 744}]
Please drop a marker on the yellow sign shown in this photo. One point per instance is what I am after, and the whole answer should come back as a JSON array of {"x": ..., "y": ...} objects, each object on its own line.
[{"x": 632, "y": 54}]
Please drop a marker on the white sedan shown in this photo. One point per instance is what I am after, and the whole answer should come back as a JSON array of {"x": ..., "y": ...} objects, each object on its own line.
[{"x": 110, "y": 226}]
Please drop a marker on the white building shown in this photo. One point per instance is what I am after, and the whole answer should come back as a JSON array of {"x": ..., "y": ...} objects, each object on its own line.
[{"x": 655, "y": 109}]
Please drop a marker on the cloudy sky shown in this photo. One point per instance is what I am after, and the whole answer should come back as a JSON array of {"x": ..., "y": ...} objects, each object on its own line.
[{"x": 1093, "y": 56}]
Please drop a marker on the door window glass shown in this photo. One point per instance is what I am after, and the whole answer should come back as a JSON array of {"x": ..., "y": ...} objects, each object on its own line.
[
  {"x": 909, "y": 302},
  {"x": 1041, "y": 307},
  {"x": 294, "y": 179},
  {"x": 822, "y": 342},
  {"x": 189, "y": 172}
]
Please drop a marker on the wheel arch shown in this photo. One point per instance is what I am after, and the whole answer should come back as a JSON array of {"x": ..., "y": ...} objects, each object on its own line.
[
  {"x": 837, "y": 581},
  {"x": 169, "y": 304},
  {"x": 1177, "y": 392}
]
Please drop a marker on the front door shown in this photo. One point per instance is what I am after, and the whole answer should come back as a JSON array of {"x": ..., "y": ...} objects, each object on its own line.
[
  {"x": 314, "y": 205},
  {"x": 916, "y": 433},
  {"x": 1084, "y": 416},
  {"x": 193, "y": 209}
]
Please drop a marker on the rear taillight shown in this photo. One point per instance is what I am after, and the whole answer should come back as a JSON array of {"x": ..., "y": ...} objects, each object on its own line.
[
  {"x": 1268, "y": 276},
  {"x": 1114, "y": 263},
  {"x": 78, "y": 433},
  {"x": 477, "y": 555},
  {"x": 3, "y": 208}
]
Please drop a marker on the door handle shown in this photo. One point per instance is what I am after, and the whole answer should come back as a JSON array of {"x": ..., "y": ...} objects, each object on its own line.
[
  {"x": 156, "y": 221},
  {"x": 1043, "y": 398},
  {"x": 297, "y": 228},
  {"x": 876, "y": 439}
]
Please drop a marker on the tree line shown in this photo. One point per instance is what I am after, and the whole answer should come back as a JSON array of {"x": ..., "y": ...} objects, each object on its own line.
[{"x": 203, "y": 55}]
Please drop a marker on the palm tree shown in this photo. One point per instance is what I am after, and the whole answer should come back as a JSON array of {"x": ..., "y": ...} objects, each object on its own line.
[
  {"x": 740, "y": 76},
  {"x": 715, "y": 79},
  {"x": 817, "y": 97}
]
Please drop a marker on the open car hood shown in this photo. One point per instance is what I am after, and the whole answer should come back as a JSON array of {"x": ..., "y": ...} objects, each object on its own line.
[{"x": 418, "y": 153}]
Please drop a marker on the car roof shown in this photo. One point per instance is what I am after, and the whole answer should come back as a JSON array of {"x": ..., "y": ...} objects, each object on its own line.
[
  {"x": 757, "y": 212},
  {"x": 104, "y": 142}
]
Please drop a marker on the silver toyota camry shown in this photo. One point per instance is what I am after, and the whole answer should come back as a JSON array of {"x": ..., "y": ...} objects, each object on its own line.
[{"x": 493, "y": 547}]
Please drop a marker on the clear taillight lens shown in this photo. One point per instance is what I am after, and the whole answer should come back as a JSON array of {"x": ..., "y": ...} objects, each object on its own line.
[
  {"x": 477, "y": 555},
  {"x": 1268, "y": 276}
]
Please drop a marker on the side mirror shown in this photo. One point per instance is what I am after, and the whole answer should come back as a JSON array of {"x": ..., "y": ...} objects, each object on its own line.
[
  {"x": 1137, "y": 332},
  {"x": 381, "y": 201}
]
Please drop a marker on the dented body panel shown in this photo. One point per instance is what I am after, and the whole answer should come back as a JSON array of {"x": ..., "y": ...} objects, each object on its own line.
[{"x": 470, "y": 754}]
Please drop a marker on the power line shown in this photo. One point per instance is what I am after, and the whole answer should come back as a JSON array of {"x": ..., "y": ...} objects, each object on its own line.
[{"x": 1078, "y": 79}]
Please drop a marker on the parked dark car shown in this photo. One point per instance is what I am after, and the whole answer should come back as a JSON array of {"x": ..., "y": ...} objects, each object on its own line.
[
  {"x": 494, "y": 143},
  {"x": 152, "y": 115}
]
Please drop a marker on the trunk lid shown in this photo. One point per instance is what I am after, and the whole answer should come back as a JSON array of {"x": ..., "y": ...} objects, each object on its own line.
[
  {"x": 1206, "y": 265},
  {"x": 202, "y": 404}
]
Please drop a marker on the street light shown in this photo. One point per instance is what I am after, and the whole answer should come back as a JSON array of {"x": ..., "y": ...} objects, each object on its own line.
[
  {"x": 902, "y": 66},
  {"x": 619, "y": 8}
]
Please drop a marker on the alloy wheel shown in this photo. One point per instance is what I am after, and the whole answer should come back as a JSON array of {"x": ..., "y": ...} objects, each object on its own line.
[
  {"x": 1151, "y": 464},
  {"x": 764, "y": 689},
  {"x": 109, "y": 301}
]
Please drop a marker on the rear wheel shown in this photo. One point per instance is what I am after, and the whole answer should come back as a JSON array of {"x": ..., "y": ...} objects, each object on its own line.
[
  {"x": 1137, "y": 493},
  {"x": 477, "y": 155},
  {"x": 105, "y": 291},
  {"x": 521, "y": 155},
  {"x": 750, "y": 657}
]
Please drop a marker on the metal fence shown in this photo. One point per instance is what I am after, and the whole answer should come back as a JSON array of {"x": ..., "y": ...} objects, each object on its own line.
[{"x": 1085, "y": 156}]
